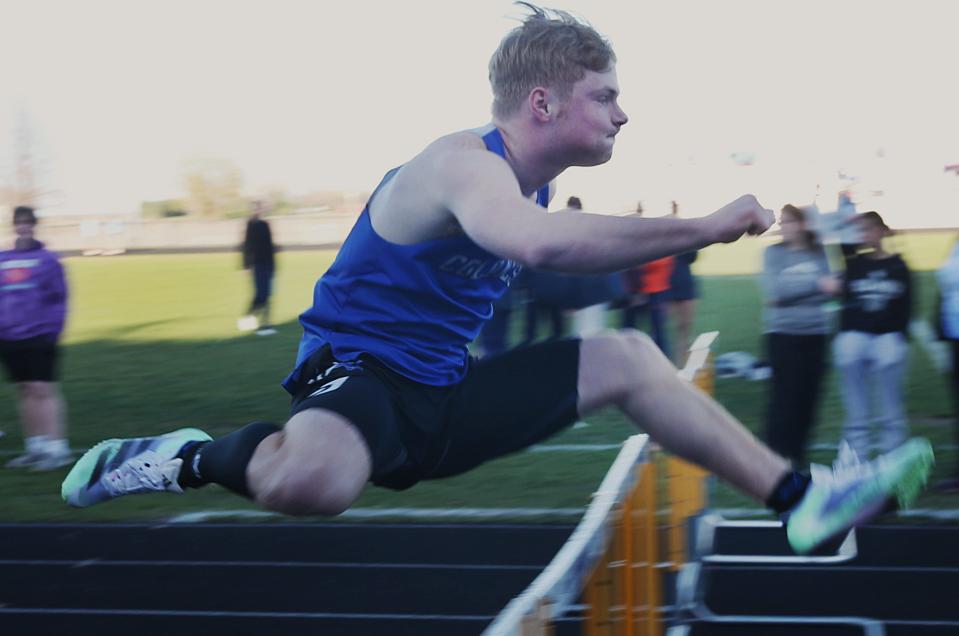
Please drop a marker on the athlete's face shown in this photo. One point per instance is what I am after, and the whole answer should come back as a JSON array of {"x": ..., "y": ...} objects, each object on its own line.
[{"x": 590, "y": 118}]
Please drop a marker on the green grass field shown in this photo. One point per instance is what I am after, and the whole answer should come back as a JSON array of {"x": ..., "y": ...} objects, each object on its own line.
[{"x": 152, "y": 345}]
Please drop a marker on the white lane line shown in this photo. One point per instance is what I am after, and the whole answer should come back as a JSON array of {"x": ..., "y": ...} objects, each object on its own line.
[
  {"x": 85, "y": 563},
  {"x": 503, "y": 513},
  {"x": 402, "y": 513},
  {"x": 537, "y": 448},
  {"x": 563, "y": 448},
  {"x": 920, "y": 513},
  {"x": 572, "y": 448},
  {"x": 226, "y": 614}
]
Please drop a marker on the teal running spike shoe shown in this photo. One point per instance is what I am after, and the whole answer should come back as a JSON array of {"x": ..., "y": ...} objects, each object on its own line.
[
  {"x": 118, "y": 467},
  {"x": 854, "y": 492}
]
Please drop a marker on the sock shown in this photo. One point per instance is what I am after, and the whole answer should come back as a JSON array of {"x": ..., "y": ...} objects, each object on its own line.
[
  {"x": 189, "y": 476},
  {"x": 56, "y": 447},
  {"x": 789, "y": 491},
  {"x": 223, "y": 461},
  {"x": 35, "y": 445}
]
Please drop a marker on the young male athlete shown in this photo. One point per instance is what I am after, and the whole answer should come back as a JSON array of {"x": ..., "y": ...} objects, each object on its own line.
[{"x": 384, "y": 389}]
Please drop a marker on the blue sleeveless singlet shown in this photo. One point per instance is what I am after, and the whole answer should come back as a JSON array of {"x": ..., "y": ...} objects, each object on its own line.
[{"x": 414, "y": 308}]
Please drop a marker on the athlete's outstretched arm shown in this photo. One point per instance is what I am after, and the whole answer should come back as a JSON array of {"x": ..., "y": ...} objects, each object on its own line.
[{"x": 480, "y": 190}]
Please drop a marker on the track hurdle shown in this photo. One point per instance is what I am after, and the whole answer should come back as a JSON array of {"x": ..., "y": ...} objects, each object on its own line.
[{"x": 612, "y": 559}]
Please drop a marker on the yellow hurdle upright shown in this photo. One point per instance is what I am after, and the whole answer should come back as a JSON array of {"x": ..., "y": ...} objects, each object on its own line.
[
  {"x": 686, "y": 482},
  {"x": 624, "y": 594},
  {"x": 633, "y": 530}
]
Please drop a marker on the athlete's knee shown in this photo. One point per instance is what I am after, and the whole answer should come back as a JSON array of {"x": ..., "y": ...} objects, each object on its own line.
[
  {"x": 307, "y": 490},
  {"x": 625, "y": 350},
  {"x": 616, "y": 364},
  {"x": 319, "y": 467}
]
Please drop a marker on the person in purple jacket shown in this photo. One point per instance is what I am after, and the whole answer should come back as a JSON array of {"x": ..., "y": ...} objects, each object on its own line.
[{"x": 33, "y": 302}]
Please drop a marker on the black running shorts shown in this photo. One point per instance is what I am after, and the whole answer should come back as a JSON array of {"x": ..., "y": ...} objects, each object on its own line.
[
  {"x": 415, "y": 431},
  {"x": 30, "y": 360}
]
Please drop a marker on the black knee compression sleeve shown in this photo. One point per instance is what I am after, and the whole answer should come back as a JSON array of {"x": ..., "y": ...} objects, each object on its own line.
[{"x": 224, "y": 461}]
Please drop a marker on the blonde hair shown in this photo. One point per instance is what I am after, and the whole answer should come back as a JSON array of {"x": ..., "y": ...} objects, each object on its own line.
[{"x": 550, "y": 48}]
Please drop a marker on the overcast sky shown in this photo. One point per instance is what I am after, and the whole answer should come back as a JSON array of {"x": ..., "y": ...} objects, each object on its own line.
[{"x": 314, "y": 95}]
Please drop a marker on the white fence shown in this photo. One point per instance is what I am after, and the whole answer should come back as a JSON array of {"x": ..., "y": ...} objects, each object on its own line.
[{"x": 125, "y": 233}]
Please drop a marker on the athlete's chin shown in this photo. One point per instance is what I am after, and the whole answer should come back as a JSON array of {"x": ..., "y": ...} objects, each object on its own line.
[{"x": 595, "y": 158}]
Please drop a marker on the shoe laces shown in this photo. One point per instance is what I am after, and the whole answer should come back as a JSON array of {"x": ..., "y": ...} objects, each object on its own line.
[
  {"x": 845, "y": 468},
  {"x": 146, "y": 471}
]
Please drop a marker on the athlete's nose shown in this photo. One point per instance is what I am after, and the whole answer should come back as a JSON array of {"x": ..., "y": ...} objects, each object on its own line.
[{"x": 619, "y": 117}]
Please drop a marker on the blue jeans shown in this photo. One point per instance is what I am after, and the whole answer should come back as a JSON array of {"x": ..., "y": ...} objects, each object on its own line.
[
  {"x": 657, "y": 306},
  {"x": 878, "y": 361},
  {"x": 262, "y": 286}
]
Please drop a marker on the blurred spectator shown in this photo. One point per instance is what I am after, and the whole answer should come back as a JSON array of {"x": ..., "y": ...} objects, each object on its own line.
[
  {"x": 849, "y": 233},
  {"x": 546, "y": 294},
  {"x": 592, "y": 294},
  {"x": 646, "y": 289},
  {"x": 33, "y": 302},
  {"x": 796, "y": 287},
  {"x": 259, "y": 257},
  {"x": 871, "y": 348},
  {"x": 947, "y": 320},
  {"x": 682, "y": 298},
  {"x": 588, "y": 296},
  {"x": 647, "y": 292}
]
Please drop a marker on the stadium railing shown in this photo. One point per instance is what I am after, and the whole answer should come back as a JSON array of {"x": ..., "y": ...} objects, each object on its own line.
[{"x": 612, "y": 560}]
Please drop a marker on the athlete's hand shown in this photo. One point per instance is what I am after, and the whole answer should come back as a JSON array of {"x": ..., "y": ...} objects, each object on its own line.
[{"x": 742, "y": 216}]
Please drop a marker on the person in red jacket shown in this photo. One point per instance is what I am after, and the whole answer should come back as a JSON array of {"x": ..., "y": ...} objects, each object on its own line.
[
  {"x": 647, "y": 289},
  {"x": 33, "y": 297}
]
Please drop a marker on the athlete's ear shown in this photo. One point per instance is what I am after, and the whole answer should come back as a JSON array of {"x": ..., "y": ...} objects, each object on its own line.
[{"x": 539, "y": 104}]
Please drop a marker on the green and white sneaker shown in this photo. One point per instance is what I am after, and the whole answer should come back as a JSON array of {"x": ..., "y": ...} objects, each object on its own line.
[
  {"x": 118, "y": 467},
  {"x": 854, "y": 492}
]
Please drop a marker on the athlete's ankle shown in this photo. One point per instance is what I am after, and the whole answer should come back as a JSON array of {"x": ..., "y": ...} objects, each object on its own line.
[
  {"x": 224, "y": 460},
  {"x": 190, "y": 476},
  {"x": 788, "y": 492}
]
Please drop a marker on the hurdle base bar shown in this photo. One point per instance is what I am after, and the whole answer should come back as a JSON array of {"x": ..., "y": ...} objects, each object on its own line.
[{"x": 692, "y": 609}]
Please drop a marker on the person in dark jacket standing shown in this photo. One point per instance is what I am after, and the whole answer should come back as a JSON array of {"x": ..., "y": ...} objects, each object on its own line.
[
  {"x": 871, "y": 348},
  {"x": 33, "y": 303},
  {"x": 796, "y": 286},
  {"x": 259, "y": 257}
]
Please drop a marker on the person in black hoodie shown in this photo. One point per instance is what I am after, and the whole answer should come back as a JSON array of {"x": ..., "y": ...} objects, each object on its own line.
[
  {"x": 871, "y": 347},
  {"x": 258, "y": 256}
]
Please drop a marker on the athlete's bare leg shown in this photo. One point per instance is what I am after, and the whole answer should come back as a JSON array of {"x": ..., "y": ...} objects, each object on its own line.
[{"x": 626, "y": 369}]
